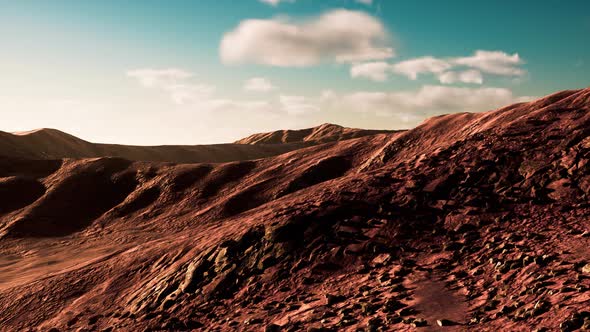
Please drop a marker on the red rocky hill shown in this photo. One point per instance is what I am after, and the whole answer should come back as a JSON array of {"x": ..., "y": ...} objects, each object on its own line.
[
  {"x": 320, "y": 134},
  {"x": 470, "y": 221}
]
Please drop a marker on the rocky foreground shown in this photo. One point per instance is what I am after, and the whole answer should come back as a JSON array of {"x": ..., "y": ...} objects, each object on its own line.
[{"x": 476, "y": 222}]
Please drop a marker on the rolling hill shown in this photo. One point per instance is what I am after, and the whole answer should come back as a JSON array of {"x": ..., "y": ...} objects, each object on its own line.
[{"x": 320, "y": 134}]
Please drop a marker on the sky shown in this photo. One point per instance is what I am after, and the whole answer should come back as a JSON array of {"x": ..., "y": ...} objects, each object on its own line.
[{"x": 212, "y": 71}]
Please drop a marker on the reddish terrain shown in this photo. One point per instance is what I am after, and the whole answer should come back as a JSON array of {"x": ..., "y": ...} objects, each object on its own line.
[
  {"x": 470, "y": 221},
  {"x": 320, "y": 134},
  {"x": 54, "y": 144}
]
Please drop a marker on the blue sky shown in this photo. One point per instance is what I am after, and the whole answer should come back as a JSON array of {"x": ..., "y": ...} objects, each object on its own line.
[{"x": 149, "y": 72}]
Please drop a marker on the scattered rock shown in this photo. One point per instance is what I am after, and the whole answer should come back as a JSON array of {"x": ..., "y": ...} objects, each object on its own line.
[
  {"x": 406, "y": 312},
  {"x": 445, "y": 322},
  {"x": 418, "y": 322},
  {"x": 374, "y": 324},
  {"x": 368, "y": 308},
  {"x": 272, "y": 328},
  {"x": 392, "y": 305},
  {"x": 334, "y": 299},
  {"x": 252, "y": 321}
]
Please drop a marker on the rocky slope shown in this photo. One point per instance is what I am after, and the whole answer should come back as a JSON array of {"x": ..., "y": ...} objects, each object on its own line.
[
  {"x": 468, "y": 222},
  {"x": 320, "y": 134}
]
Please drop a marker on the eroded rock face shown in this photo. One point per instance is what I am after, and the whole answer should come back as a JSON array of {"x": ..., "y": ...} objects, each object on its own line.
[{"x": 468, "y": 222}]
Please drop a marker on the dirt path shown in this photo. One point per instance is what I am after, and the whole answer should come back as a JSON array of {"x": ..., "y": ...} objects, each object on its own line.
[{"x": 434, "y": 301}]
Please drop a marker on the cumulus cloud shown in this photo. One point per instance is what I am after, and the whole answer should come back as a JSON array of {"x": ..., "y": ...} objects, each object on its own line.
[
  {"x": 413, "y": 67},
  {"x": 183, "y": 91},
  {"x": 448, "y": 70},
  {"x": 338, "y": 35},
  {"x": 379, "y": 71},
  {"x": 178, "y": 85},
  {"x": 175, "y": 82},
  {"x": 493, "y": 62},
  {"x": 183, "y": 94},
  {"x": 297, "y": 105},
  {"x": 467, "y": 76},
  {"x": 376, "y": 71},
  {"x": 414, "y": 106},
  {"x": 259, "y": 84},
  {"x": 242, "y": 107},
  {"x": 158, "y": 77}
]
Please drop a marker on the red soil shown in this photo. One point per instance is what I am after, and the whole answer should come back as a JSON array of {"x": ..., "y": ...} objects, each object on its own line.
[{"x": 478, "y": 220}]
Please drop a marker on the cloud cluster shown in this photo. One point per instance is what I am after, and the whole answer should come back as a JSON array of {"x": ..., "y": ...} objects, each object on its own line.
[
  {"x": 376, "y": 71},
  {"x": 405, "y": 108},
  {"x": 412, "y": 68},
  {"x": 175, "y": 82},
  {"x": 178, "y": 85},
  {"x": 259, "y": 84},
  {"x": 411, "y": 107},
  {"x": 493, "y": 62},
  {"x": 341, "y": 35},
  {"x": 468, "y": 69},
  {"x": 466, "y": 76},
  {"x": 183, "y": 94},
  {"x": 297, "y": 105},
  {"x": 159, "y": 77}
]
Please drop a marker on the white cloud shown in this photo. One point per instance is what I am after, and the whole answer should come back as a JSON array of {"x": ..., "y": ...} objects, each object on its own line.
[
  {"x": 376, "y": 71},
  {"x": 275, "y": 2},
  {"x": 447, "y": 70},
  {"x": 467, "y": 76},
  {"x": 411, "y": 107},
  {"x": 327, "y": 95},
  {"x": 186, "y": 94},
  {"x": 174, "y": 82},
  {"x": 339, "y": 35},
  {"x": 297, "y": 105},
  {"x": 493, "y": 62},
  {"x": 183, "y": 94},
  {"x": 177, "y": 84},
  {"x": 233, "y": 106},
  {"x": 158, "y": 77},
  {"x": 259, "y": 84},
  {"x": 413, "y": 67}
]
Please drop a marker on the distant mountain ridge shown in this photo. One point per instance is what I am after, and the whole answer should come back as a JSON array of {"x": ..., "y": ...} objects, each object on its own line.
[
  {"x": 321, "y": 134},
  {"x": 53, "y": 144},
  {"x": 49, "y": 143}
]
